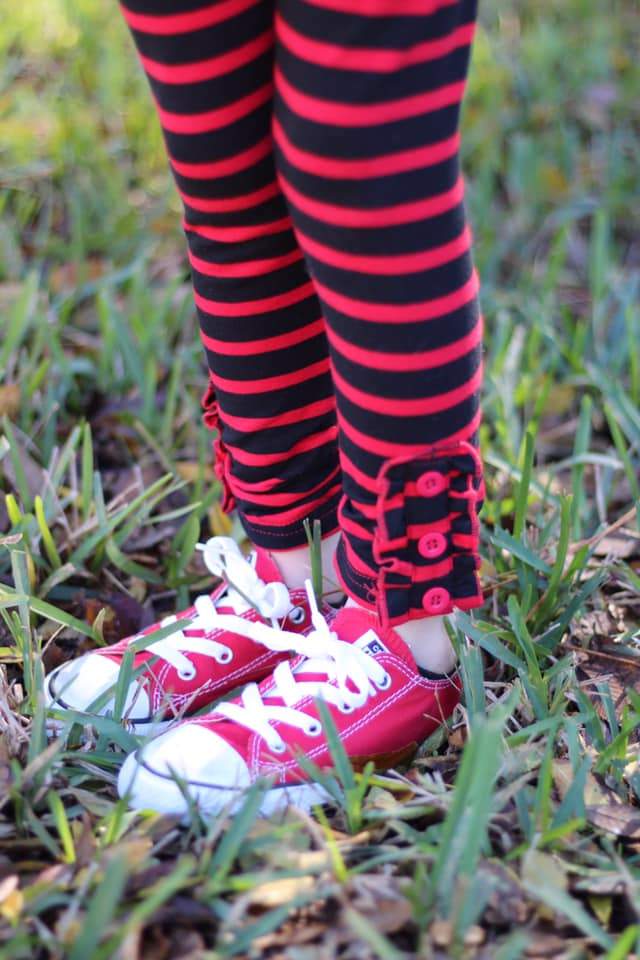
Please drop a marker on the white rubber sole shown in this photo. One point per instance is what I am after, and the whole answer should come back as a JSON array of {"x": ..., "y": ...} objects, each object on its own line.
[
  {"x": 54, "y": 725},
  {"x": 147, "y": 789}
]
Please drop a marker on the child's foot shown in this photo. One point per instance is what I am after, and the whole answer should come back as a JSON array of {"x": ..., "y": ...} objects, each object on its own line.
[
  {"x": 382, "y": 705},
  {"x": 194, "y": 666}
]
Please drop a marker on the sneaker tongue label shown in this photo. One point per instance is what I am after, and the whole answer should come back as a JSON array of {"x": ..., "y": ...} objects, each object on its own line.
[{"x": 371, "y": 643}]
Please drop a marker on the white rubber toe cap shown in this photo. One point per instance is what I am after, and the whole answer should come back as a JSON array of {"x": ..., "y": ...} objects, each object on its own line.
[
  {"x": 214, "y": 773},
  {"x": 77, "y": 684}
]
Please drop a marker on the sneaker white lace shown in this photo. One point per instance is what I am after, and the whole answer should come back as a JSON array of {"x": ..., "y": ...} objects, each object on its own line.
[
  {"x": 342, "y": 673},
  {"x": 380, "y": 703},
  {"x": 175, "y": 666}
]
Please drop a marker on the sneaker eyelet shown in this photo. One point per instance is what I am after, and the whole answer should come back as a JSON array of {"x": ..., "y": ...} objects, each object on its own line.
[
  {"x": 188, "y": 674},
  {"x": 225, "y": 656},
  {"x": 313, "y": 729},
  {"x": 385, "y": 683},
  {"x": 280, "y": 748},
  {"x": 297, "y": 615},
  {"x": 346, "y": 708}
]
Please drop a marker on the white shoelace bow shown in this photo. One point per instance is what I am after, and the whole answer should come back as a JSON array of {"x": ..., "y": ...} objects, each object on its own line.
[
  {"x": 244, "y": 590},
  {"x": 352, "y": 675}
]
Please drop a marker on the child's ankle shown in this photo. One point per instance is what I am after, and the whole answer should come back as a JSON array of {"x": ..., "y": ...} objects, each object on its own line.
[
  {"x": 295, "y": 566},
  {"x": 428, "y": 640}
]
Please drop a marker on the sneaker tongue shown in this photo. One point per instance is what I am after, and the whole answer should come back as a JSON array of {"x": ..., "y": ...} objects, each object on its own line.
[
  {"x": 265, "y": 567},
  {"x": 362, "y": 629}
]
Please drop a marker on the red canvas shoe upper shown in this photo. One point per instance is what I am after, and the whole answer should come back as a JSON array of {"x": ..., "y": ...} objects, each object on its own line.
[
  {"x": 202, "y": 661},
  {"x": 382, "y": 707},
  {"x": 380, "y": 703}
]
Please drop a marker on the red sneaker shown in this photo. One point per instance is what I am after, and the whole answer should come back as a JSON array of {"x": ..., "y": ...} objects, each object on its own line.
[
  {"x": 198, "y": 664},
  {"x": 383, "y": 708}
]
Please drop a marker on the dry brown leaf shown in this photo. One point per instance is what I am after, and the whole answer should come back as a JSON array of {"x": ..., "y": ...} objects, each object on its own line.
[
  {"x": 601, "y": 668},
  {"x": 9, "y": 400},
  {"x": 602, "y": 907},
  {"x": 156, "y": 943},
  {"x": 293, "y": 933},
  {"x": 68, "y": 275},
  {"x": 475, "y": 936},
  {"x": 135, "y": 851},
  {"x": 458, "y": 738},
  {"x": 187, "y": 945},
  {"x": 620, "y": 545},
  {"x": 595, "y": 793},
  {"x": 55, "y": 874},
  {"x": 8, "y": 885},
  {"x": 313, "y": 860},
  {"x": 191, "y": 470},
  {"x": 601, "y": 885},
  {"x": 11, "y": 898},
  {"x": 508, "y": 902},
  {"x": 546, "y": 946},
  {"x": 220, "y": 524},
  {"x": 620, "y": 819},
  {"x": 543, "y": 869},
  {"x": 11, "y": 906},
  {"x": 6, "y": 775},
  {"x": 123, "y": 615},
  {"x": 84, "y": 840},
  {"x": 388, "y": 915},
  {"x": 93, "y": 802},
  {"x": 33, "y": 473},
  {"x": 275, "y": 893},
  {"x": 441, "y": 933}
]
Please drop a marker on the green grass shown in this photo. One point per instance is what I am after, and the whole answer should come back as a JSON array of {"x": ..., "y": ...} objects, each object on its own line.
[{"x": 517, "y": 826}]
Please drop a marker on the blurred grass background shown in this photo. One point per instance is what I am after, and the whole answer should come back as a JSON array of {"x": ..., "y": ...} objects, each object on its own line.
[
  {"x": 106, "y": 471},
  {"x": 550, "y": 150}
]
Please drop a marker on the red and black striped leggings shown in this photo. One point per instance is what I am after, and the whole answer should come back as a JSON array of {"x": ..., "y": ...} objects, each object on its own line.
[{"x": 315, "y": 147}]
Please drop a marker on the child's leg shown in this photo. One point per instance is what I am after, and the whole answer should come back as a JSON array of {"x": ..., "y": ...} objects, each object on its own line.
[
  {"x": 366, "y": 130},
  {"x": 270, "y": 395},
  {"x": 211, "y": 72}
]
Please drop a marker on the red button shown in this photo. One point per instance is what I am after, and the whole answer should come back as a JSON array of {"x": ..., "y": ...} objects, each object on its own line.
[
  {"x": 431, "y": 483},
  {"x": 432, "y": 545},
  {"x": 436, "y": 600}
]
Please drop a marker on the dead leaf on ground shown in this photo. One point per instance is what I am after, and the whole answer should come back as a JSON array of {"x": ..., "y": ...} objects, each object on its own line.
[
  {"x": 620, "y": 545},
  {"x": 156, "y": 943},
  {"x": 620, "y": 819},
  {"x": 601, "y": 666},
  {"x": 11, "y": 898},
  {"x": 317, "y": 922},
  {"x": 9, "y": 400},
  {"x": 600, "y": 885},
  {"x": 6, "y": 775},
  {"x": 69, "y": 275},
  {"x": 275, "y": 893},
  {"x": 595, "y": 793},
  {"x": 57, "y": 874},
  {"x": 124, "y": 615},
  {"x": 543, "y": 869},
  {"x": 508, "y": 903},
  {"x": 441, "y": 933},
  {"x": 292, "y": 934},
  {"x": 386, "y": 914},
  {"x": 548, "y": 947},
  {"x": 33, "y": 472},
  {"x": 597, "y": 624},
  {"x": 192, "y": 470},
  {"x": 602, "y": 907},
  {"x": 84, "y": 840}
]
